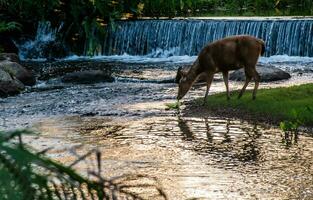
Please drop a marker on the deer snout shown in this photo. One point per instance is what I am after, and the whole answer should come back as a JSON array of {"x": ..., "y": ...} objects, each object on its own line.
[{"x": 179, "y": 97}]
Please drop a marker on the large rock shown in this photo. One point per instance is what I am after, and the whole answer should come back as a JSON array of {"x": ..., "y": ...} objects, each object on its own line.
[
  {"x": 18, "y": 71},
  {"x": 9, "y": 57},
  {"x": 267, "y": 72},
  {"x": 8, "y": 85},
  {"x": 87, "y": 77},
  {"x": 52, "y": 69}
]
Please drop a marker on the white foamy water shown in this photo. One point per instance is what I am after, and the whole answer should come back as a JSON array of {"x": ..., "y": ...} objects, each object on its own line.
[
  {"x": 186, "y": 59},
  {"x": 170, "y": 56},
  {"x": 285, "y": 59},
  {"x": 157, "y": 56},
  {"x": 284, "y": 62},
  {"x": 137, "y": 59}
]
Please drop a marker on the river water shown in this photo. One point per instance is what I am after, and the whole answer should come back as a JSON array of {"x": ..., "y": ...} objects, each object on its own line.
[{"x": 193, "y": 156}]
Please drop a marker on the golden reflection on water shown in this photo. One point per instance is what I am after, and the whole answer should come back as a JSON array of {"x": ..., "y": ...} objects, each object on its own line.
[{"x": 206, "y": 158}]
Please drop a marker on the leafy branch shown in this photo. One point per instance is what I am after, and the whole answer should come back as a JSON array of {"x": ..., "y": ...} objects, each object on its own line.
[{"x": 28, "y": 175}]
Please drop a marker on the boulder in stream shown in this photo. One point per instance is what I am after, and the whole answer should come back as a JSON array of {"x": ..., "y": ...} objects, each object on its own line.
[
  {"x": 9, "y": 57},
  {"x": 18, "y": 71},
  {"x": 9, "y": 85},
  {"x": 268, "y": 73},
  {"x": 87, "y": 77},
  {"x": 13, "y": 76}
]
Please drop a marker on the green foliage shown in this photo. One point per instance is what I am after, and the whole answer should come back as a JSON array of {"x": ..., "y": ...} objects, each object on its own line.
[
  {"x": 173, "y": 106},
  {"x": 9, "y": 26},
  {"x": 289, "y": 126},
  {"x": 25, "y": 174},
  {"x": 293, "y": 104},
  {"x": 294, "y": 123},
  {"x": 84, "y": 21},
  {"x": 6, "y": 27},
  {"x": 28, "y": 10},
  {"x": 297, "y": 119}
]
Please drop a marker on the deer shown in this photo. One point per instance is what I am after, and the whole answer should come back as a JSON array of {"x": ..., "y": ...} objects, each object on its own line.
[{"x": 223, "y": 55}]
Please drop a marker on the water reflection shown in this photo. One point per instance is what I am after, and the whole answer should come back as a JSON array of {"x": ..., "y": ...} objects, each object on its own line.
[
  {"x": 184, "y": 128},
  {"x": 208, "y": 131},
  {"x": 290, "y": 138},
  {"x": 223, "y": 138},
  {"x": 250, "y": 148},
  {"x": 197, "y": 157}
]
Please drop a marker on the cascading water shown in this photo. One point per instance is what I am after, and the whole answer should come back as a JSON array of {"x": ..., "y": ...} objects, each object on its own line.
[
  {"x": 43, "y": 44},
  {"x": 293, "y": 37},
  {"x": 159, "y": 39}
]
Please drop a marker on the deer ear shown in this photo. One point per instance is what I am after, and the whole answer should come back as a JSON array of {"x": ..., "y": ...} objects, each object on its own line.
[
  {"x": 180, "y": 74},
  {"x": 183, "y": 73}
]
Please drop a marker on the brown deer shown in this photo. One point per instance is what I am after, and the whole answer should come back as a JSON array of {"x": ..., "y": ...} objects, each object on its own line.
[{"x": 222, "y": 56}]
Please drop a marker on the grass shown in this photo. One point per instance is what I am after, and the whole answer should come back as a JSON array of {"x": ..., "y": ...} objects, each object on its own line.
[
  {"x": 291, "y": 103},
  {"x": 173, "y": 106}
]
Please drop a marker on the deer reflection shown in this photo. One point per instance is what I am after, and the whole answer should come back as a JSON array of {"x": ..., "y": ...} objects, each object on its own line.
[
  {"x": 208, "y": 130},
  {"x": 185, "y": 129},
  {"x": 250, "y": 148},
  {"x": 290, "y": 138},
  {"x": 238, "y": 141},
  {"x": 227, "y": 138}
]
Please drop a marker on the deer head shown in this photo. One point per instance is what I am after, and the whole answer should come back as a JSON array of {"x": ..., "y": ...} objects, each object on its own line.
[{"x": 184, "y": 83}]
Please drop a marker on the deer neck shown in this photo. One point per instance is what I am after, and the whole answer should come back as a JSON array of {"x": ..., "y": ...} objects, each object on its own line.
[{"x": 193, "y": 73}]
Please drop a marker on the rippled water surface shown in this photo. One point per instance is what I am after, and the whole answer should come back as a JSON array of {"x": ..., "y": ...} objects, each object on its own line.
[
  {"x": 193, "y": 157},
  {"x": 206, "y": 158}
]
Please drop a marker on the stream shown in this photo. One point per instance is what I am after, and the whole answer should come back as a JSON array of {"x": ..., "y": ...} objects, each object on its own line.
[{"x": 193, "y": 156}]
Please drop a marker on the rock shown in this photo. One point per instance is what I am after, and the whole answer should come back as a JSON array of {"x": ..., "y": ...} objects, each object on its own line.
[
  {"x": 46, "y": 70},
  {"x": 8, "y": 85},
  {"x": 9, "y": 57},
  {"x": 87, "y": 77},
  {"x": 268, "y": 73},
  {"x": 4, "y": 76},
  {"x": 19, "y": 72}
]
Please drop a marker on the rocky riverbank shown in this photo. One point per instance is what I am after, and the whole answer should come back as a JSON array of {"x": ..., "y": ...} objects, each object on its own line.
[
  {"x": 13, "y": 76},
  {"x": 138, "y": 90},
  {"x": 194, "y": 154}
]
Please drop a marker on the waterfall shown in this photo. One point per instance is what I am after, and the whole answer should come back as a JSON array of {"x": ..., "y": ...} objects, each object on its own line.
[
  {"x": 293, "y": 37},
  {"x": 43, "y": 45}
]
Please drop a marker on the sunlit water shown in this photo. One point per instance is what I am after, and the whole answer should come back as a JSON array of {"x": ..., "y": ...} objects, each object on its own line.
[
  {"x": 193, "y": 157},
  {"x": 206, "y": 158}
]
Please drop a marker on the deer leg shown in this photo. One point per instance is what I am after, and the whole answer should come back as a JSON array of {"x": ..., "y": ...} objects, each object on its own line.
[
  {"x": 256, "y": 85},
  {"x": 225, "y": 77},
  {"x": 248, "y": 79},
  {"x": 208, "y": 81}
]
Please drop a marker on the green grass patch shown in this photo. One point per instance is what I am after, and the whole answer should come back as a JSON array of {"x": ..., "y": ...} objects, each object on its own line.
[
  {"x": 173, "y": 106},
  {"x": 291, "y": 103}
]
